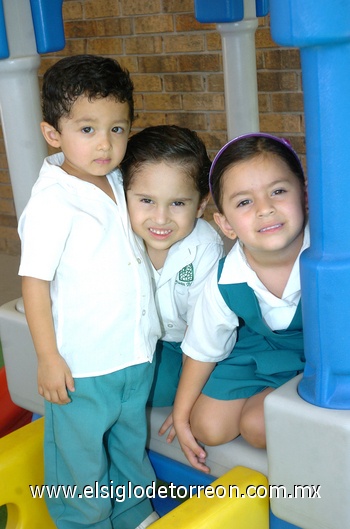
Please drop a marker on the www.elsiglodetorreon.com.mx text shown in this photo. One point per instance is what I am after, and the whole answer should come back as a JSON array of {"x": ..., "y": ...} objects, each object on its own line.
[{"x": 120, "y": 492}]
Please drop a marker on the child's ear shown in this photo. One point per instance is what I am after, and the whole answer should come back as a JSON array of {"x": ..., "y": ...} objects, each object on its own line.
[
  {"x": 224, "y": 226},
  {"x": 51, "y": 135},
  {"x": 202, "y": 206}
]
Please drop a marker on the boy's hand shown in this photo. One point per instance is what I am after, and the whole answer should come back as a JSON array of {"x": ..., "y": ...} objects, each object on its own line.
[
  {"x": 54, "y": 378},
  {"x": 54, "y": 375}
]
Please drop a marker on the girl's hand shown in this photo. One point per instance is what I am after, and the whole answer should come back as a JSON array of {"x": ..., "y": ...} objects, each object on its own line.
[
  {"x": 195, "y": 454},
  {"x": 168, "y": 423},
  {"x": 193, "y": 377},
  {"x": 54, "y": 378}
]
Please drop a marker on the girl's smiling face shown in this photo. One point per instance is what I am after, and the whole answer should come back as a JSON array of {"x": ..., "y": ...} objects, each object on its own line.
[
  {"x": 163, "y": 205},
  {"x": 264, "y": 206}
]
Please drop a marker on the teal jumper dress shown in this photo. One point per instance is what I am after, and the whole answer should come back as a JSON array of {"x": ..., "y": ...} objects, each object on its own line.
[{"x": 261, "y": 358}]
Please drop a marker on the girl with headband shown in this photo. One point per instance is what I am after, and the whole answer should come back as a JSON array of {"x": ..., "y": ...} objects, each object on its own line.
[{"x": 245, "y": 337}]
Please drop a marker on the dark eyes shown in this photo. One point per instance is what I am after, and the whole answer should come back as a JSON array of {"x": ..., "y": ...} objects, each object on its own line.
[
  {"x": 150, "y": 201},
  {"x": 248, "y": 201},
  {"x": 117, "y": 130},
  {"x": 89, "y": 130},
  {"x": 243, "y": 203}
]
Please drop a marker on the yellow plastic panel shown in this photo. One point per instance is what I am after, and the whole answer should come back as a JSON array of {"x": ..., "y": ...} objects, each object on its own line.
[
  {"x": 21, "y": 465},
  {"x": 224, "y": 510},
  {"x": 216, "y": 507}
]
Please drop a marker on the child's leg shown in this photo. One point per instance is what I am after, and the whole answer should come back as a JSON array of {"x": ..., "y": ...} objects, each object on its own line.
[
  {"x": 252, "y": 423},
  {"x": 75, "y": 457},
  {"x": 126, "y": 446},
  {"x": 215, "y": 421},
  {"x": 168, "y": 365},
  {"x": 77, "y": 450}
]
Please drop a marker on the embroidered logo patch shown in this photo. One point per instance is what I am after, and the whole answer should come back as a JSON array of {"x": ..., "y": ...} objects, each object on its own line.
[{"x": 186, "y": 275}]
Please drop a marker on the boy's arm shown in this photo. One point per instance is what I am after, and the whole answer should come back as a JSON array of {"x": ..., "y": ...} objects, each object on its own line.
[
  {"x": 54, "y": 375},
  {"x": 194, "y": 376}
]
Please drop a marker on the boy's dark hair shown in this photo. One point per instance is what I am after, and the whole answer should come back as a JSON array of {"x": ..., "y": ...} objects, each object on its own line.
[
  {"x": 90, "y": 75},
  {"x": 246, "y": 147},
  {"x": 170, "y": 144}
]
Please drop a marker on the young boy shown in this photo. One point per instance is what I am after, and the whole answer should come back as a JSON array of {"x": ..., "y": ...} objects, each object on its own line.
[{"x": 88, "y": 300}]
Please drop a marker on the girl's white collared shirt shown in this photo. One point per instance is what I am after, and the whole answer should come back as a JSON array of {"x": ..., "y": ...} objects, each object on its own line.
[{"x": 211, "y": 334}]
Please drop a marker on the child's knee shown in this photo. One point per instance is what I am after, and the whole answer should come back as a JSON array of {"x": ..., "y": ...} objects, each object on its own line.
[
  {"x": 252, "y": 428},
  {"x": 211, "y": 427},
  {"x": 205, "y": 429}
]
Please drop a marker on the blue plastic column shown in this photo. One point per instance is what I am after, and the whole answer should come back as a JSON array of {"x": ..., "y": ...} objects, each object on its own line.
[
  {"x": 208, "y": 11},
  {"x": 4, "y": 48},
  {"x": 225, "y": 11},
  {"x": 48, "y": 25},
  {"x": 322, "y": 32},
  {"x": 262, "y": 7}
]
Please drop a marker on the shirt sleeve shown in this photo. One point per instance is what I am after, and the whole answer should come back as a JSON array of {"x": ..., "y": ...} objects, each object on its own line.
[
  {"x": 212, "y": 329},
  {"x": 43, "y": 229},
  {"x": 205, "y": 264}
]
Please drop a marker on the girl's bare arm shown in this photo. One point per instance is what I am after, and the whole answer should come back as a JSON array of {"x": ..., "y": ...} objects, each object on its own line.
[{"x": 194, "y": 376}]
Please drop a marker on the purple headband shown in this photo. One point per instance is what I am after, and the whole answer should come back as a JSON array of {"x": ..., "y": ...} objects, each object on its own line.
[{"x": 283, "y": 141}]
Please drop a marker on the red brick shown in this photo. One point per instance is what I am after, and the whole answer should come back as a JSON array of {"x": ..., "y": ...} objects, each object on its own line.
[
  {"x": 217, "y": 122},
  {"x": 105, "y": 46},
  {"x": 159, "y": 24},
  {"x": 72, "y": 10},
  {"x": 184, "y": 83},
  {"x": 207, "y": 101},
  {"x": 213, "y": 41},
  {"x": 177, "y": 6},
  {"x": 215, "y": 82},
  {"x": 189, "y": 23},
  {"x": 191, "y": 120},
  {"x": 158, "y": 64},
  {"x": 287, "y": 102},
  {"x": 143, "y": 45},
  {"x": 147, "y": 83},
  {"x": 148, "y": 119},
  {"x": 184, "y": 43},
  {"x": 199, "y": 63},
  {"x": 101, "y": 8},
  {"x": 162, "y": 102},
  {"x": 140, "y": 7}
]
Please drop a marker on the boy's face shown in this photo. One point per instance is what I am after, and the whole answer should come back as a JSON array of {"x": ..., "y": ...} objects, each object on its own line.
[
  {"x": 264, "y": 206},
  {"x": 94, "y": 137},
  {"x": 163, "y": 205}
]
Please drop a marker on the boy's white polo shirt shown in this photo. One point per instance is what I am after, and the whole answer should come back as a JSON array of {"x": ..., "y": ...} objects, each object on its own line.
[{"x": 80, "y": 240}]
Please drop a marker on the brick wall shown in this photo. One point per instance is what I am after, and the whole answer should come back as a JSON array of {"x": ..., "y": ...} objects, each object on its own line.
[{"x": 176, "y": 66}]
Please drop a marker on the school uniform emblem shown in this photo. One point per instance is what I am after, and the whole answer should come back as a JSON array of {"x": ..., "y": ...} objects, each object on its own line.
[{"x": 186, "y": 275}]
